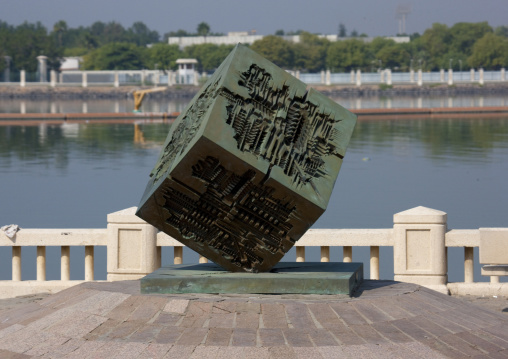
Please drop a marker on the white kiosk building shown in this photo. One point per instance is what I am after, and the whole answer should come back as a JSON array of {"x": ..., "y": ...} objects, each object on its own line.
[{"x": 187, "y": 74}]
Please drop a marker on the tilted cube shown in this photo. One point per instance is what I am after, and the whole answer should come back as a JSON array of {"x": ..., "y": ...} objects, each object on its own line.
[{"x": 249, "y": 166}]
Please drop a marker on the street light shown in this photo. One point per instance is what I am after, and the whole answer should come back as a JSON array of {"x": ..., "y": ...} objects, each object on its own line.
[
  {"x": 411, "y": 64},
  {"x": 450, "y": 64}
]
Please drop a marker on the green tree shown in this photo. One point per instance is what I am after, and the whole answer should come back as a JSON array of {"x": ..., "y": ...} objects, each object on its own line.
[
  {"x": 116, "y": 56},
  {"x": 209, "y": 56},
  {"x": 347, "y": 55},
  {"x": 436, "y": 42},
  {"x": 275, "y": 49},
  {"x": 59, "y": 29},
  {"x": 464, "y": 35},
  {"x": 491, "y": 52},
  {"x": 164, "y": 56},
  {"x": 501, "y": 31},
  {"x": 310, "y": 53},
  {"x": 203, "y": 29},
  {"x": 394, "y": 57},
  {"x": 141, "y": 35},
  {"x": 342, "y": 30}
]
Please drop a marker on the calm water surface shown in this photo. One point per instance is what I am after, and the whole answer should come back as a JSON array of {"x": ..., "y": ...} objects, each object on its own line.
[{"x": 73, "y": 175}]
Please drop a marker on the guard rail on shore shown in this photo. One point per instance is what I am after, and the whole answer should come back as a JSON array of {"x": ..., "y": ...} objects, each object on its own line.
[{"x": 419, "y": 238}]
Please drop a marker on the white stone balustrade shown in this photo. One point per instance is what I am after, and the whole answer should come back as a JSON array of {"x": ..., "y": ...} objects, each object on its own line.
[{"x": 419, "y": 238}]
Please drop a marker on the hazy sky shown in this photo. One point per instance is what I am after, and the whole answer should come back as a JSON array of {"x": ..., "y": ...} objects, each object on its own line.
[{"x": 373, "y": 17}]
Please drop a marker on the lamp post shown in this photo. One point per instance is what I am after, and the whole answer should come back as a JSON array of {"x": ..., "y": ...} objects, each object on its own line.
[{"x": 450, "y": 63}]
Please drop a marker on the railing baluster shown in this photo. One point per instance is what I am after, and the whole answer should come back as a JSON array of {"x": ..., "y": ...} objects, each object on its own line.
[
  {"x": 203, "y": 259},
  {"x": 41, "y": 263},
  {"x": 16, "y": 263},
  {"x": 468, "y": 264},
  {"x": 347, "y": 252},
  {"x": 178, "y": 256},
  {"x": 494, "y": 279},
  {"x": 300, "y": 254},
  {"x": 65, "y": 263},
  {"x": 89, "y": 259},
  {"x": 325, "y": 254},
  {"x": 374, "y": 262}
]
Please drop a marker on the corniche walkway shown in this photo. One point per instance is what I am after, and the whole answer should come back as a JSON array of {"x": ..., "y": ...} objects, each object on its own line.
[{"x": 384, "y": 319}]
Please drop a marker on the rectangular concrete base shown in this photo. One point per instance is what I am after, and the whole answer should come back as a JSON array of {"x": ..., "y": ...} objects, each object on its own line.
[{"x": 284, "y": 278}]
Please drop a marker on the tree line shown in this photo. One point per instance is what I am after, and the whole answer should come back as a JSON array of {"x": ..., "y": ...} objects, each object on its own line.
[{"x": 110, "y": 46}]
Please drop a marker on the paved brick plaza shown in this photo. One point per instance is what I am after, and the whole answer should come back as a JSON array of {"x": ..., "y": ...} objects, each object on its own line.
[{"x": 385, "y": 320}]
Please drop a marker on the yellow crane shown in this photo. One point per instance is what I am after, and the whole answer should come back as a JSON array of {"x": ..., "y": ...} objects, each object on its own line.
[{"x": 139, "y": 95}]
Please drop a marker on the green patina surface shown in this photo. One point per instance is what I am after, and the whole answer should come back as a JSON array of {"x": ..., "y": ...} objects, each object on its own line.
[
  {"x": 284, "y": 278},
  {"x": 249, "y": 166}
]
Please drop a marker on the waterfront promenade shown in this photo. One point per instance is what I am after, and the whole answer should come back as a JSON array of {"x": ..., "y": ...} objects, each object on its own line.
[{"x": 384, "y": 319}]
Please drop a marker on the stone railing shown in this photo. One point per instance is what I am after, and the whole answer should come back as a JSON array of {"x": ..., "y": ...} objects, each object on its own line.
[{"x": 419, "y": 238}]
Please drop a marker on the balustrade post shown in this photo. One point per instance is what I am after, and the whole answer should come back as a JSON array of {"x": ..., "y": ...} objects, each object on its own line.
[
  {"x": 419, "y": 249},
  {"x": 22, "y": 78},
  {"x": 374, "y": 262},
  {"x": 322, "y": 77},
  {"x": 441, "y": 76},
  {"x": 328, "y": 77},
  {"x": 481, "y": 80},
  {"x": 503, "y": 74},
  {"x": 325, "y": 254},
  {"x": 468, "y": 264},
  {"x": 353, "y": 79},
  {"x": 300, "y": 254},
  {"x": 347, "y": 254},
  {"x": 16, "y": 263},
  {"x": 52, "y": 78},
  {"x": 388, "y": 76},
  {"x": 412, "y": 76},
  {"x": 203, "y": 259},
  {"x": 450, "y": 77},
  {"x": 65, "y": 263},
  {"x": 178, "y": 255},
  {"x": 116, "y": 80},
  {"x": 84, "y": 79},
  {"x": 132, "y": 246},
  {"x": 358, "y": 77},
  {"x": 472, "y": 76},
  {"x": 494, "y": 279},
  {"x": 420, "y": 77},
  {"x": 89, "y": 260},
  {"x": 41, "y": 263}
]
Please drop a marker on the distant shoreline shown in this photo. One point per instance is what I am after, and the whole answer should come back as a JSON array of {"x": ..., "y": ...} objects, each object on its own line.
[{"x": 39, "y": 92}]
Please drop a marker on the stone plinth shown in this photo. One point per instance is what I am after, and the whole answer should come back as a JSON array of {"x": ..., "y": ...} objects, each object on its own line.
[
  {"x": 249, "y": 166},
  {"x": 283, "y": 278}
]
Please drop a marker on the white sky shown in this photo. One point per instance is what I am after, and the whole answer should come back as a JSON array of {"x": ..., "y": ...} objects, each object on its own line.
[{"x": 373, "y": 17}]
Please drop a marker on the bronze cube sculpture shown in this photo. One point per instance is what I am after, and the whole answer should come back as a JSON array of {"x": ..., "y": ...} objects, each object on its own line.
[{"x": 249, "y": 166}]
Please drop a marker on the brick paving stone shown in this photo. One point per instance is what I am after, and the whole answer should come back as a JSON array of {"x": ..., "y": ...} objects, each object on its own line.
[
  {"x": 442, "y": 349},
  {"x": 244, "y": 353},
  {"x": 411, "y": 329},
  {"x": 348, "y": 337},
  {"x": 359, "y": 351},
  {"x": 222, "y": 320},
  {"x": 193, "y": 336},
  {"x": 500, "y": 331},
  {"x": 67, "y": 298},
  {"x": 33, "y": 316},
  {"x": 146, "y": 333},
  {"x": 281, "y": 352},
  {"x": 123, "y": 311},
  {"x": 391, "y": 333},
  {"x": 247, "y": 320},
  {"x": 423, "y": 303},
  {"x": 100, "y": 303},
  {"x": 271, "y": 337},
  {"x": 124, "y": 329},
  {"x": 248, "y": 307},
  {"x": 371, "y": 312},
  {"x": 103, "y": 330},
  {"x": 79, "y": 328},
  {"x": 322, "y": 337},
  {"x": 219, "y": 336},
  {"x": 5, "y": 354},
  {"x": 410, "y": 306},
  {"x": 307, "y": 353},
  {"x": 491, "y": 338},
  {"x": 470, "y": 316},
  {"x": 459, "y": 318},
  {"x": 23, "y": 340},
  {"x": 22, "y": 313},
  {"x": 274, "y": 315},
  {"x": 197, "y": 314},
  {"x": 10, "y": 329},
  {"x": 430, "y": 326},
  {"x": 390, "y": 350},
  {"x": 348, "y": 313},
  {"x": 476, "y": 341},
  {"x": 155, "y": 351},
  {"x": 180, "y": 351},
  {"x": 64, "y": 349},
  {"x": 297, "y": 337},
  {"x": 150, "y": 307},
  {"x": 326, "y": 317},
  {"x": 445, "y": 323},
  {"x": 421, "y": 350},
  {"x": 207, "y": 352},
  {"x": 299, "y": 316},
  {"x": 86, "y": 350},
  {"x": 368, "y": 333},
  {"x": 46, "y": 345},
  {"x": 460, "y": 345},
  {"x": 244, "y": 337},
  {"x": 176, "y": 306},
  {"x": 169, "y": 335},
  {"x": 167, "y": 319},
  {"x": 391, "y": 308},
  {"x": 333, "y": 352}
]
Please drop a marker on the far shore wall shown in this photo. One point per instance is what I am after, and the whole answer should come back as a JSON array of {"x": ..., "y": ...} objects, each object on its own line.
[{"x": 188, "y": 91}]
